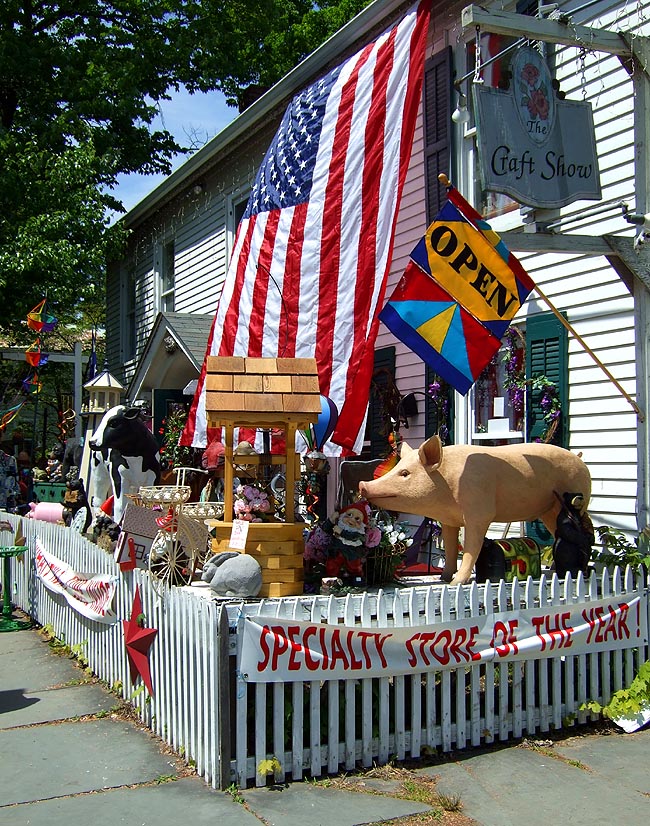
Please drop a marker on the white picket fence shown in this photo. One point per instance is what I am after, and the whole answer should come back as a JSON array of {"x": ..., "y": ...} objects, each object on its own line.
[{"x": 225, "y": 726}]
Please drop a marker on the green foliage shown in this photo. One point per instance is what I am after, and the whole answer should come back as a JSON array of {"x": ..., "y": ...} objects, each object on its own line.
[
  {"x": 141, "y": 689},
  {"x": 234, "y": 792},
  {"x": 165, "y": 778},
  {"x": 80, "y": 88},
  {"x": 78, "y": 651},
  {"x": 54, "y": 234},
  {"x": 628, "y": 702},
  {"x": 619, "y": 551},
  {"x": 171, "y": 452},
  {"x": 253, "y": 45},
  {"x": 271, "y": 766},
  {"x": 60, "y": 647}
]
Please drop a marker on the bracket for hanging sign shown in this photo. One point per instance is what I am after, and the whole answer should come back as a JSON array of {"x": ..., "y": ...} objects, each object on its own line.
[{"x": 561, "y": 31}]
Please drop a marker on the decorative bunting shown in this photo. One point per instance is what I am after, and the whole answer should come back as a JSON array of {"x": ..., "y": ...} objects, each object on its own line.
[
  {"x": 40, "y": 320},
  {"x": 43, "y": 322},
  {"x": 31, "y": 384}
]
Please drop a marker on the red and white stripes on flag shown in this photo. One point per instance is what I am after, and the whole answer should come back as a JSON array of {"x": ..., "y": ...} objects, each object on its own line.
[{"x": 308, "y": 271}]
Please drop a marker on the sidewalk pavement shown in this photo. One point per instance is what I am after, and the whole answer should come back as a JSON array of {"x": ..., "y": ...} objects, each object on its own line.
[{"x": 68, "y": 757}]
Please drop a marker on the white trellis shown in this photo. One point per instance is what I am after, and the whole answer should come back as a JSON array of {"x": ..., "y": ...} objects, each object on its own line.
[{"x": 324, "y": 726}]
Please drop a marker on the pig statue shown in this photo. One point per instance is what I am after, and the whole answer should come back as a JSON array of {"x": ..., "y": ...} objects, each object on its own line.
[
  {"x": 472, "y": 487},
  {"x": 46, "y": 511}
]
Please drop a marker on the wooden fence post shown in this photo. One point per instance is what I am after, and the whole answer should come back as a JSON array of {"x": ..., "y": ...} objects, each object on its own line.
[{"x": 223, "y": 709}]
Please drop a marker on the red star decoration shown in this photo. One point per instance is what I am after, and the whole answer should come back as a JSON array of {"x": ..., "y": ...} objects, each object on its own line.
[{"x": 138, "y": 640}]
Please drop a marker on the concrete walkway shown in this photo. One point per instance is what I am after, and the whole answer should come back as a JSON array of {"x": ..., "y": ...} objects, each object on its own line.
[{"x": 68, "y": 757}]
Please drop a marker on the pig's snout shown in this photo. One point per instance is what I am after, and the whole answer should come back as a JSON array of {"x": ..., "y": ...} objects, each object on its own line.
[{"x": 363, "y": 490}]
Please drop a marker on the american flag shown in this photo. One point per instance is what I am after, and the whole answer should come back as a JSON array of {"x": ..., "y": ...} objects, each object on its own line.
[{"x": 312, "y": 253}]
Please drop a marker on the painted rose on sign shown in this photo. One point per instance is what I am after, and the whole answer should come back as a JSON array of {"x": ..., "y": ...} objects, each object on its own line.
[
  {"x": 530, "y": 74},
  {"x": 538, "y": 104},
  {"x": 534, "y": 97}
]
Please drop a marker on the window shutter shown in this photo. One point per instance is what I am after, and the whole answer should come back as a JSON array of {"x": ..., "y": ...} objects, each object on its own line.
[
  {"x": 437, "y": 159},
  {"x": 546, "y": 355},
  {"x": 378, "y": 424},
  {"x": 437, "y": 127}
]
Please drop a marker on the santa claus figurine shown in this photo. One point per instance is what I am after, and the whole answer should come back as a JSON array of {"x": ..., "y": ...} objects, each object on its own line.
[{"x": 348, "y": 549}]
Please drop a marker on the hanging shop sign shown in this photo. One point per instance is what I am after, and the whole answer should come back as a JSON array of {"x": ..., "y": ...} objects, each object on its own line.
[
  {"x": 280, "y": 650},
  {"x": 537, "y": 149}
]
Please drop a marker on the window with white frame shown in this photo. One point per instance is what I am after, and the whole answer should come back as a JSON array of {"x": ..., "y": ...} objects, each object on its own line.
[
  {"x": 167, "y": 276},
  {"x": 236, "y": 207}
]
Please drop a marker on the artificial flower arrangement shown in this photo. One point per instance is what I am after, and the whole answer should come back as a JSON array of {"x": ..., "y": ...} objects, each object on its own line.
[
  {"x": 356, "y": 546},
  {"x": 253, "y": 504}
]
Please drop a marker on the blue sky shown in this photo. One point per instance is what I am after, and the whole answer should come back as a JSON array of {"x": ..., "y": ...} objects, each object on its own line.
[{"x": 203, "y": 114}]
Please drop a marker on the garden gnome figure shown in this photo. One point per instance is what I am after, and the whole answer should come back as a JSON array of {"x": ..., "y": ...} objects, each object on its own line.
[
  {"x": 349, "y": 541},
  {"x": 55, "y": 464},
  {"x": 574, "y": 537}
]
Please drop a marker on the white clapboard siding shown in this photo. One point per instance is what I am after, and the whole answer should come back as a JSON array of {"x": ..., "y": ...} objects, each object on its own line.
[
  {"x": 318, "y": 727},
  {"x": 597, "y": 303}
]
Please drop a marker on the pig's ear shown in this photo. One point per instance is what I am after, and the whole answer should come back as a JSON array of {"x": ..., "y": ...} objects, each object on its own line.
[
  {"x": 405, "y": 449},
  {"x": 431, "y": 451}
]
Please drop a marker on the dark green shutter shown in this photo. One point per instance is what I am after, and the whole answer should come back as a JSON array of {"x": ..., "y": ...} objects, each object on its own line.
[
  {"x": 546, "y": 355},
  {"x": 378, "y": 424},
  {"x": 437, "y": 127},
  {"x": 437, "y": 159}
]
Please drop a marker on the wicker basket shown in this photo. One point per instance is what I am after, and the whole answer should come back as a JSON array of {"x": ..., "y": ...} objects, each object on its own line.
[
  {"x": 165, "y": 495},
  {"x": 204, "y": 510}
]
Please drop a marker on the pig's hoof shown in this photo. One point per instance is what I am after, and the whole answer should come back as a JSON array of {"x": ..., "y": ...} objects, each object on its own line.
[{"x": 447, "y": 576}]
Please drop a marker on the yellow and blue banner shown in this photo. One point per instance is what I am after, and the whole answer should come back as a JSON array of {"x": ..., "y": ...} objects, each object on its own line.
[{"x": 458, "y": 295}]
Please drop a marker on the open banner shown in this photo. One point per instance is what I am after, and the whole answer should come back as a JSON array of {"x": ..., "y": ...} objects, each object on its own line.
[
  {"x": 90, "y": 596},
  {"x": 459, "y": 293},
  {"x": 279, "y": 650}
]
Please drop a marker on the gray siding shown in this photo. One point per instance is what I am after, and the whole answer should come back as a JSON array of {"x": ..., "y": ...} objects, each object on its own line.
[{"x": 201, "y": 226}]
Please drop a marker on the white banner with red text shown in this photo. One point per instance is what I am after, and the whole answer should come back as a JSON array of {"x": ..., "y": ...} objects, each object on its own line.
[
  {"x": 89, "y": 595},
  {"x": 279, "y": 650}
]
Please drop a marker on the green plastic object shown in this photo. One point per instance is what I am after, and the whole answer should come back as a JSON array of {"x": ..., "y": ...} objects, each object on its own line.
[{"x": 7, "y": 621}]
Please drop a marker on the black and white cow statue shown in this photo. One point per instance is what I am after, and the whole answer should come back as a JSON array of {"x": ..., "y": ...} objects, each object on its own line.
[{"x": 125, "y": 456}]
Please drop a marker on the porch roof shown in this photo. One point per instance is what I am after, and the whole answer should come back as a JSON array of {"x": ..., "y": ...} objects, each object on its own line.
[{"x": 173, "y": 354}]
